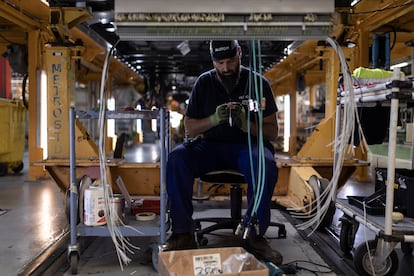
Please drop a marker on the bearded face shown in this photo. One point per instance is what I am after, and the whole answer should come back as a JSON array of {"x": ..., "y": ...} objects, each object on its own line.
[
  {"x": 228, "y": 71},
  {"x": 229, "y": 76}
]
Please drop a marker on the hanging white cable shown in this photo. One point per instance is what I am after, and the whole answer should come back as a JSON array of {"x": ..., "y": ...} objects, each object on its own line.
[
  {"x": 122, "y": 245},
  {"x": 341, "y": 147}
]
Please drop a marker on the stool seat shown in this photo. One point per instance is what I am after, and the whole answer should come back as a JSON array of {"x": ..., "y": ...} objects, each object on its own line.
[
  {"x": 223, "y": 177},
  {"x": 235, "y": 179}
]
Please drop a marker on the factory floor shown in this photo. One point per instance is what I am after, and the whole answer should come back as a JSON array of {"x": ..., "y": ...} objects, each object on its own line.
[{"x": 34, "y": 236}]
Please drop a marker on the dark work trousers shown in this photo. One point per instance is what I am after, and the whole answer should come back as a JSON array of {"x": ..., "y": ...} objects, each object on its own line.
[{"x": 185, "y": 163}]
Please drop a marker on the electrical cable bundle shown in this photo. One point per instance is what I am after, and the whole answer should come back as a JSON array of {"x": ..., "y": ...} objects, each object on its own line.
[
  {"x": 258, "y": 181},
  {"x": 122, "y": 245},
  {"x": 342, "y": 145}
]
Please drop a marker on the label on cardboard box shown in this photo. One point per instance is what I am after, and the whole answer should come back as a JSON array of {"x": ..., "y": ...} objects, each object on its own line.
[{"x": 207, "y": 264}]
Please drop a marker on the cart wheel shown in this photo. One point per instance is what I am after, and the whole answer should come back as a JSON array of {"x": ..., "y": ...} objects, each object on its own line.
[
  {"x": 18, "y": 168},
  {"x": 197, "y": 226},
  {"x": 74, "y": 262},
  {"x": 406, "y": 248},
  {"x": 362, "y": 261},
  {"x": 282, "y": 233},
  {"x": 67, "y": 206},
  {"x": 155, "y": 249}
]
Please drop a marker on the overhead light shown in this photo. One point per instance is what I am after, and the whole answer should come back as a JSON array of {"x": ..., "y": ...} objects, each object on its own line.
[
  {"x": 110, "y": 27},
  {"x": 350, "y": 44},
  {"x": 184, "y": 47},
  {"x": 353, "y": 3}
]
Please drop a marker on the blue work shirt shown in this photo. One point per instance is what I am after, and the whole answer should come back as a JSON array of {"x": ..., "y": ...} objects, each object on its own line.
[{"x": 208, "y": 93}]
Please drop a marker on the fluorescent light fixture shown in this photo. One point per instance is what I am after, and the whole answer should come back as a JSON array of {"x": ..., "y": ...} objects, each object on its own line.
[
  {"x": 353, "y": 3},
  {"x": 139, "y": 121},
  {"x": 111, "y": 122},
  {"x": 43, "y": 113},
  {"x": 399, "y": 65},
  {"x": 154, "y": 122},
  {"x": 286, "y": 122}
]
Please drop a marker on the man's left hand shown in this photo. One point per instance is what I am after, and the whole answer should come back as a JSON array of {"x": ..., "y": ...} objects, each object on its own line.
[{"x": 239, "y": 118}]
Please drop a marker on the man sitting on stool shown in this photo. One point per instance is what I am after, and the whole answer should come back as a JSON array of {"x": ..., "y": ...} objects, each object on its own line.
[{"x": 217, "y": 114}]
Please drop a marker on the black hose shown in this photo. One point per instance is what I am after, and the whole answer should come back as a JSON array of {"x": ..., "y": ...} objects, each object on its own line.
[{"x": 25, "y": 103}]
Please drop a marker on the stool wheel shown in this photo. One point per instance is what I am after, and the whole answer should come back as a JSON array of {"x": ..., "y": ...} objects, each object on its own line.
[
  {"x": 202, "y": 241},
  {"x": 282, "y": 233},
  {"x": 197, "y": 226}
]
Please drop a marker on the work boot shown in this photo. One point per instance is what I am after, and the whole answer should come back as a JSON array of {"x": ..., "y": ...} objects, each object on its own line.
[
  {"x": 260, "y": 248},
  {"x": 180, "y": 241}
]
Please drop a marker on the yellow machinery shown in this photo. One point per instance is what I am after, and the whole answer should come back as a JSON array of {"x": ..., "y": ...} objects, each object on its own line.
[
  {"x": 316, "y": 156},
  {"x": 12, "y": 127},
  {"x": 58, "y": 26},
  {"x": 61, "y": 63}
]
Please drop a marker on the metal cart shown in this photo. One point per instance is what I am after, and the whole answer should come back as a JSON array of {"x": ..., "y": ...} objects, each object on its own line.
[
  {"x": 154, "y": 228},
  {"x": 381, "y": 256}
]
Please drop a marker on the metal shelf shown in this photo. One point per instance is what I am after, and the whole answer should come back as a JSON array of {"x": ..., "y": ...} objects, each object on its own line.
[{"x": 132, "y": 228}]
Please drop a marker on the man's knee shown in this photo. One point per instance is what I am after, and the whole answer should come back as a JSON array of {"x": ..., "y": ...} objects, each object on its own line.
[{"x": 176, "y": 155}]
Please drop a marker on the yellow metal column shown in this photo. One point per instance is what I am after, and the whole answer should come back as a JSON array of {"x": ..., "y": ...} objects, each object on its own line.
[
  {"x": 60, "y": 96},
  {"x": 332, "y": 65},
  {"x": 312, "y": 100},
  {"x": 363, "y": 50}
]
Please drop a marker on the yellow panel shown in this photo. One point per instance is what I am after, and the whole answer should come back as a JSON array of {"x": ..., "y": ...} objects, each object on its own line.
[
  {"x": 60, "y": 83},
  {"x": 300, "y": 192},
  {"x": 85, "y": 147},
  {"x": 320, "y": 143}
]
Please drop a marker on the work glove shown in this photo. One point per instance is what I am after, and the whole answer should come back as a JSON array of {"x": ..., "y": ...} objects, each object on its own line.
[
  {"x": 239, "y": 119},
  {"x": 220, "y": 116}
]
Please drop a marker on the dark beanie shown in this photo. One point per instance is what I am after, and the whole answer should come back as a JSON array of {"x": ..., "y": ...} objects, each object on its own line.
[{"x": 223, "y": 49}]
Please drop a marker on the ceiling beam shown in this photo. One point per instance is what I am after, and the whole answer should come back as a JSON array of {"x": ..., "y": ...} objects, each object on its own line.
[
  {"x": 229, "y": 6},
  {"x": 19, "y": 17},
  {"x": 368, "y": 18}
]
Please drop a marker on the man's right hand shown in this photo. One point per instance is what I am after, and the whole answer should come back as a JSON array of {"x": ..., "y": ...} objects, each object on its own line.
[{"x": 220, "y": 116}]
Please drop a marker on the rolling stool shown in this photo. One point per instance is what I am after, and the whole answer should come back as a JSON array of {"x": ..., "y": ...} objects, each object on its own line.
[{"x": 235, "y": 179}]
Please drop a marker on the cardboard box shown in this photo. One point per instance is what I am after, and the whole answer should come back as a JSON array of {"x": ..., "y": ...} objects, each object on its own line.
[{"x": 205, "y": 261}]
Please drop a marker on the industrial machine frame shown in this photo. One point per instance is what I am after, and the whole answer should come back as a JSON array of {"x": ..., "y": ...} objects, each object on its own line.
[
  {"x": 143, "y": 229},
  {"x": 381, "y": 255}
]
